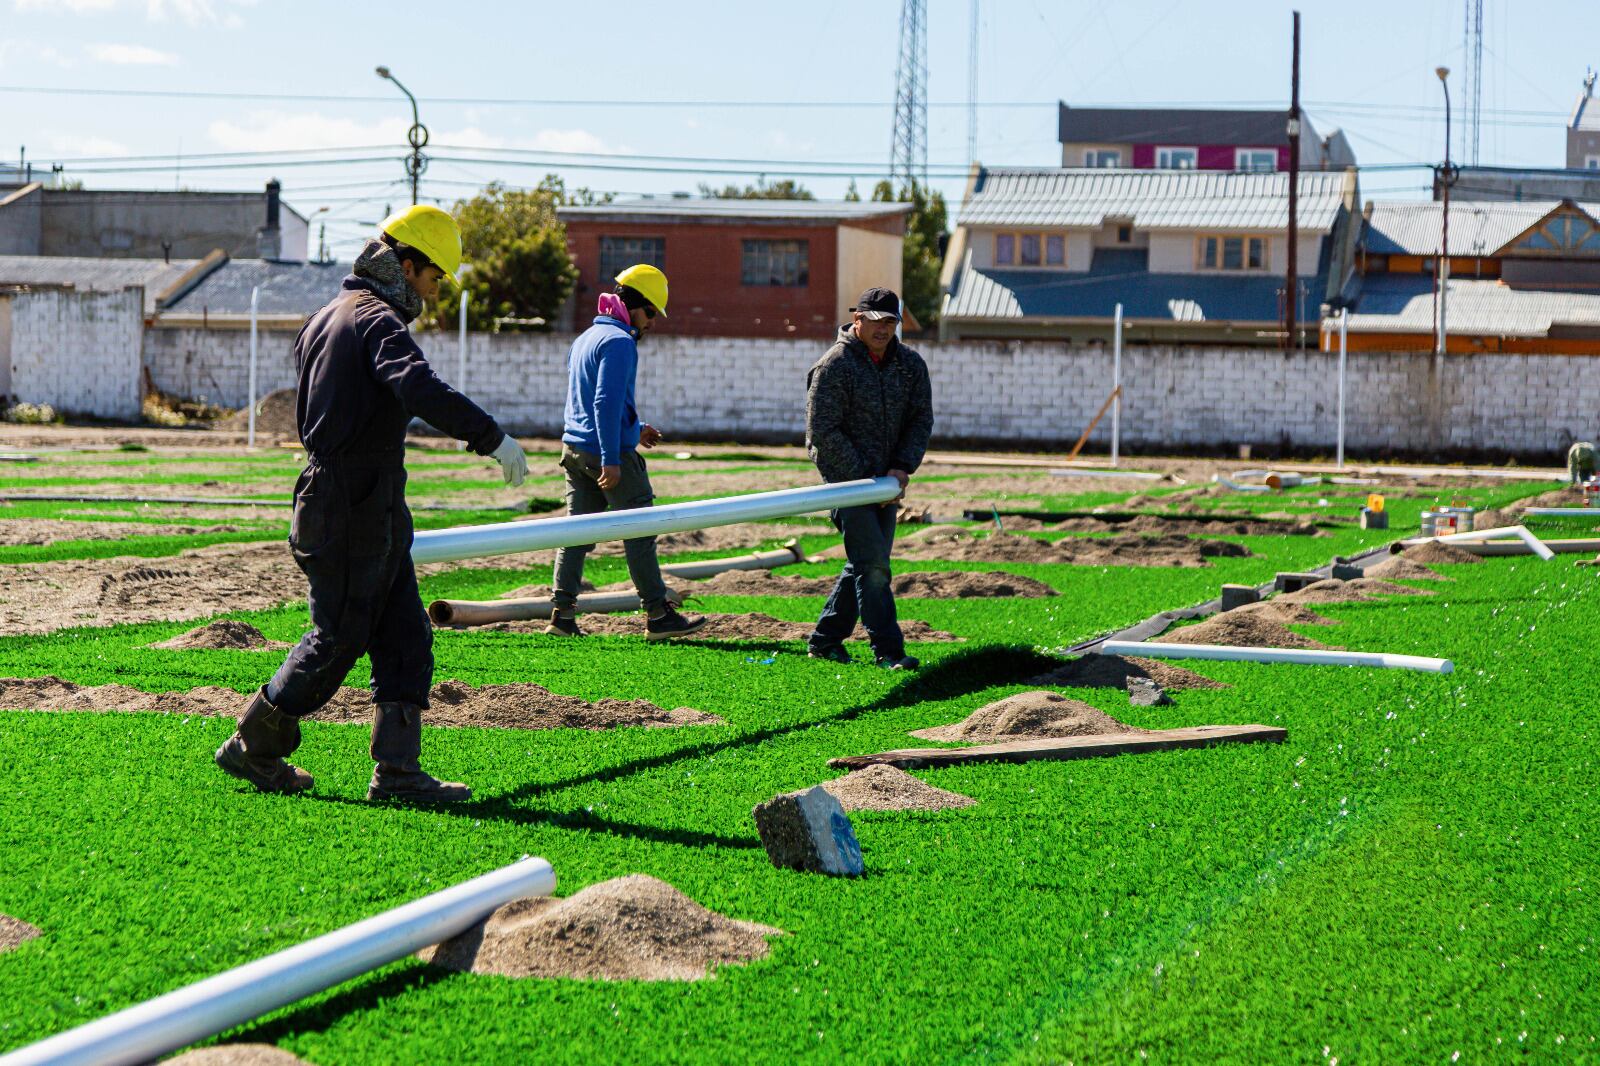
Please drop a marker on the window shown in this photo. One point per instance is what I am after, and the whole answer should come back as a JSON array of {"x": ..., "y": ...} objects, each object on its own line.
[
  {"x": 619, "y": 253},
  {"x": 786, "y": 263},
  {"x": 1176, "y": 158},
  {"x": 1232, "y": 253},
  {"x": 1005, "y": 249},
  {"x": 1563, "y": 233},
  {"x": 1030, "y": 249},
  {"x": 1102, "y": 157},
  {"x": 1055, "y": 250},
  {"x": 1255, "y": 159},
  {"x": 1124, "y": 234},
  {"x": 1592, "y": 162}
]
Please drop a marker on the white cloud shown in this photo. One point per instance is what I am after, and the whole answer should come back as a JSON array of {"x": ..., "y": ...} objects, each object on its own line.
[
  {"x": 11, "y": 51},
  {"x": 70, "y": 145},
  {"x": 131, "y": 55},
  {"x": 73, "y": 7},
  {"x": 192, "y": 12}
]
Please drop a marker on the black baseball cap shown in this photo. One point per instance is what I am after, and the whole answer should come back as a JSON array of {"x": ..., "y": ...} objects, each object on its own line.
[{"x": 878, "y": 303}]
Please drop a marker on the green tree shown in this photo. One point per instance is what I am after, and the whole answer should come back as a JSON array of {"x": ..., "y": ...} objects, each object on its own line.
[
  {"x": 517, "y": 251},
  {"x": 787, "y": 189},
  {"x": 922, "y": 259}
]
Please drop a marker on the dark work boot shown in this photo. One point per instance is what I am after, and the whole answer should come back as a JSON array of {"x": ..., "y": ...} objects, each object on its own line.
[
  {"x": 672, "y": 624},
  {"x": 255, "y": 751},
  {"x": 563, "y": 625},
  {"x": 397, "y": 749}
]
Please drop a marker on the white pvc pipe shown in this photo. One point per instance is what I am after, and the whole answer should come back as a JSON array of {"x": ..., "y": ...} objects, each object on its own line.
[
  {"x": 1116, "y": 384},
  {"x": 1138, "y": 475},
  {"x": 149, "y": 1030},
  {"x": 1344, "y": 353},
  {"x": 1565, "y": 512},
  {"x": 1522, "y": 533},
  {"x": 1301, "y": 656},
  {"x": 507, "y": 538},
  {"x": 255, "y": 303}
]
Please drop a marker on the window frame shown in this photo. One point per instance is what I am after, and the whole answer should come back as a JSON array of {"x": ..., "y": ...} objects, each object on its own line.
[
  {"x": 1239, "y": 164},
  {"x": 1095, "y": 157},
  {"x": 1591, "y": 162},
  {"x": 1194, "y": 156},
  {"x": 1246, "y": 241},
  {"x": 802, "y": 264},
  {"x": 607, "y": 278},
  {"x": 1041, "y": 239}
]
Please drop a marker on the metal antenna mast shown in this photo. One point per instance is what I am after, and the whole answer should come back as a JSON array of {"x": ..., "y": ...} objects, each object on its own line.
[
  {"x": 908, "y": 153},
  {"x": 972, "y": 88},
  {"x": 1472, "y": 47}
]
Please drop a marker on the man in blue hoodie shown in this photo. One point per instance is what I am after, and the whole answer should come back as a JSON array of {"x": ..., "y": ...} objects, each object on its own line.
[{"x": 600, "y": 448}]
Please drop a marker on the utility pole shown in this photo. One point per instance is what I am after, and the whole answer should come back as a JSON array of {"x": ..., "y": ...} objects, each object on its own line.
[
  {"x": 1446, "y": 179},
  {"x": 908, "y": 150},
  {"x": 417, "y": 136},
  {"x": 1291, "y": 286}
]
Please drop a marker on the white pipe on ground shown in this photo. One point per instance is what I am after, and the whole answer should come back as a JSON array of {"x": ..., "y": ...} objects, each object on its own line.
[
  {"x": 148, "y": 1031},
  {"x": 1513, "y": 547},
  {"x": 1223, "y": 653},
  {"x": 786, "y": 555},
  {"x": 1565, "y": 512},
  {"x": 507, "y": 538},
  {"x": 534, "y": 608},
  {"x": 1534, "y": 544}
]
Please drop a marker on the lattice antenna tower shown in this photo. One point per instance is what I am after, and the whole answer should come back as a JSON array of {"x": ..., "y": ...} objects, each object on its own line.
[
  {"x": 1472, "y": 48},
  {"x": 908, "y": 153}
]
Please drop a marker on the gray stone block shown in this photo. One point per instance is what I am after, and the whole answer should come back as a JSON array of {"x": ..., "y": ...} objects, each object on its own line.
[
  {"x": 809, "y": 831},
  {"x": 1345, "y": 572},
  {"x": 1239, "y": 595},
  {"x": 1286, "y": 581},
  {"x": 1143, "y": 692},
  {"x": 1371, "y": 519}
]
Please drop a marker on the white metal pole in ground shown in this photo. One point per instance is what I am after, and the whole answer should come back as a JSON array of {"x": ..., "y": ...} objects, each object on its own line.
[
  {"x": 1116, "y": 384},
  {"x": 255, "y": 343},
  {"x": 1344, "y": 355},
  {"x": 508, "y": 538},
  {"x": 148, "y": 1031},
  {"x": 461, "y": 329},
  {"x": 1277, "y": 655}
]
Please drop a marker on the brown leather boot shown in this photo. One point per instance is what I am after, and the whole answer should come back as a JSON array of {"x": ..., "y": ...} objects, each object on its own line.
[
  {"x": 255, "y": 751},
  {"x": 397, "y": 749}
]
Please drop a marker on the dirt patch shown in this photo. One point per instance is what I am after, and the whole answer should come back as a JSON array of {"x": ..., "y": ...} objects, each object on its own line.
[
  {"x": 236, "y": 1055},
  {"x": 937, "y": 585},
  {"x": 743, "y": 536},
  {"x": 632, "y": 928},
  {"x": 15, "y": 932},
  {"x": 1431, "y": 552},
  {"x": 32, "y": 531},
  {"x": 1284, "y": 612},
  {"x": 223, "y": 634},
  {"x": 1113, "y": 671},
  {"x": 730, "y": 627},
  {"x": 1117, "y": 550},
  {"x": 1354, "y": 591},
  {"x": 1405, "y": 568},
  {"x": 889, "y": 788},
  {"x": 515, "y": 706},
  {"x": 1151, "y": 523},
  {"x": 1241, "y": 629},
  {"x": 1028, "y": 715},
  {"x": 274, "y": 417}
]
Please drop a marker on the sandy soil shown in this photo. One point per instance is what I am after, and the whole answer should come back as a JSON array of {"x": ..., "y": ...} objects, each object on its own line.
[
  {"x": 1149, "y": 523},
  {"x": 236, "y": 1055},
  {"x": 889, "y": 788},
  {"x": 1405, "y": 568},
  {"x": 1240, "y": 629},
  {"x": 958, "y": 544},
  {"x": 224, "y": 633},
  {"x": 517, "y": 706},
  {"x": 274, "y": 417},
  {"x": 1028, "y": 716},
  {"x": 1113, "y": 671},
  {"x": 1354, "y": 591},
  {"x": 1432, "y": 551},
  {"x": 632, "y": 928},
  {"x": 15, "y": 531},
  {"x": 944, "y": 584},
  {"x": 728, "y": 627},
  {"x": 14, "y": 932}
]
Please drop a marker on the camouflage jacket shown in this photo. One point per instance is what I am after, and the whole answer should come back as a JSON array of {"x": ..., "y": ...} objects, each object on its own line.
[{"x": 863, "y": 420}]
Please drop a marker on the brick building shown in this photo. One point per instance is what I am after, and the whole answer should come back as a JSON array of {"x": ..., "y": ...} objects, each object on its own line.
[{"x": 740, "y": 268}]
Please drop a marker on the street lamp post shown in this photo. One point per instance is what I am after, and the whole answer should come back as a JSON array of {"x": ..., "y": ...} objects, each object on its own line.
[
  {"x": 1444, "y": 224},
  {"x": 417, "y": 135},
  {"x": 322, "y": 243}
]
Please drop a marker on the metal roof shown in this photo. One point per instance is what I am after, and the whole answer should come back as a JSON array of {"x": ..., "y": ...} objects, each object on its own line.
[
  {"x": 1151, "y": 199},
  {"x": 1404, "y": 303},
  {"x": 1054, "y": 294},
  {"x": 720, "y": 209},
  {"x": 286, "y": 288},
  {"x": 1175, "y": 126},
  {"x": 1477, "y": 227},
  {"x": 96, "y": 275}
]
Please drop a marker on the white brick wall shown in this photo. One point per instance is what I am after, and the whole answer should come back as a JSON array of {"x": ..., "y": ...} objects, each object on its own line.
[
  {"x": 1035, "y": 394},
  {"x": 78, "y": 351}
]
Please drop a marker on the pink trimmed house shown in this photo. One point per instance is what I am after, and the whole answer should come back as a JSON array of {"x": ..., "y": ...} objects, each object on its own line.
[{"x": 1160, "y": 138}]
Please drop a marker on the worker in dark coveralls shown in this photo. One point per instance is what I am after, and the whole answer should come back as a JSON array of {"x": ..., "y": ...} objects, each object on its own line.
[
  {"x": 869, "y": 413},
  {"x": 362, "y": 379}
]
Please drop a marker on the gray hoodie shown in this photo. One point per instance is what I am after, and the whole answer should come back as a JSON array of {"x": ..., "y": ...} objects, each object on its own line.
[{"x": 863, "y": 420}]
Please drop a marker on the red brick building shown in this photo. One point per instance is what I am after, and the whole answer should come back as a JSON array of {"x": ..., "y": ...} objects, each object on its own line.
[{"x": 740, "y": 268}]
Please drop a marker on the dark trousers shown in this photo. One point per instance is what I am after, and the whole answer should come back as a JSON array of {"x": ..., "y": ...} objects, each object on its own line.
[
  {"x": 862, "y": 590},
  {"x": 585, "y": 496},
  {"x": 351, "y": 536}
]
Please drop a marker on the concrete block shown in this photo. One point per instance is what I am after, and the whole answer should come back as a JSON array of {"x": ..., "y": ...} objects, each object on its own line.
[
  {"x": 1346, "y": 572},
  {"x": 1143, "y": 692},
  {"x": 1287, "y": 581},
  {"x": 1371, "y": 519},
  {"x": 809, "y": 831},
  {"x": 1239, "y": 595}
]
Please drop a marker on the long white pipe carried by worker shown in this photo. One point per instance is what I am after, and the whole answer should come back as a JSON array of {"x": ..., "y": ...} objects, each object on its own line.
[
  {"x": 508, "y": 538},
  {"x": 145, "y": 1032},
  {"x": 1224, "y": 653}
]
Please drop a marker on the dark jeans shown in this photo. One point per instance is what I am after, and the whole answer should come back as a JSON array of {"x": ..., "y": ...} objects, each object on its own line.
[
  {"x": 351, "y": 535},
  {"x": 585, "y": 496},
  {"x": 863, "y": 587}
]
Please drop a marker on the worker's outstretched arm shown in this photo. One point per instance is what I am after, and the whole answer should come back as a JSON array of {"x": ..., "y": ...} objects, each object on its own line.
[
  {"x": 830, "y": 448},
  {"x": 400, "y": 366}
]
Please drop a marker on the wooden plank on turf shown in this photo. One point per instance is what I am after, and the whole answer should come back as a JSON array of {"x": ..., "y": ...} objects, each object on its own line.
[{"x": 1200, "y": 736}]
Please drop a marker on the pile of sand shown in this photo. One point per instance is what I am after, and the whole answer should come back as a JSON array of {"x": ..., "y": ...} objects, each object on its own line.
[
  {"x": 888, "y": 788},
  {"x": 1431, "y": 552},
  {"x": 224, "y": 633},
  {"x": 1405, "y": 568},
  {"x": 1285, "y": 612},
  {"x": 515, "y": 706},
  {"x": 632, "y": 928},
  {"x": 1116, "y": 550},
  {"x": 1241, "y": 629},
  {"x": 274, "y": 417},
  {"x": 1113, "y": 671},
  {"x": 36, "y": 531},
  {"x": 1353, "y": 591},
  {"x": 936, "y": 585},
  {"x": 236, "y": 1055},
  {"x": 1036, "y": 715},
  {"x": 732, "y": 627},
  {"x": 1152, "y": 523},
  {"x": 14, "y": 932}
]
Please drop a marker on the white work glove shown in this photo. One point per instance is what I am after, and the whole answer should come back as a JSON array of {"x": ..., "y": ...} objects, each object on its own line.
[{"x": 513, "y": 464}]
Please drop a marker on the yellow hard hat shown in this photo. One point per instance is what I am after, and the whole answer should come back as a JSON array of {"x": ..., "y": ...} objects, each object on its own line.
[
  {"x": 430, "y": 231},
  {"x": 649, "y": 282}
]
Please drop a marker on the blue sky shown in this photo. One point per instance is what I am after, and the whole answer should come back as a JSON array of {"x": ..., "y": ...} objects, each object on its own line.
[{"x": 1367, "y": 67}]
